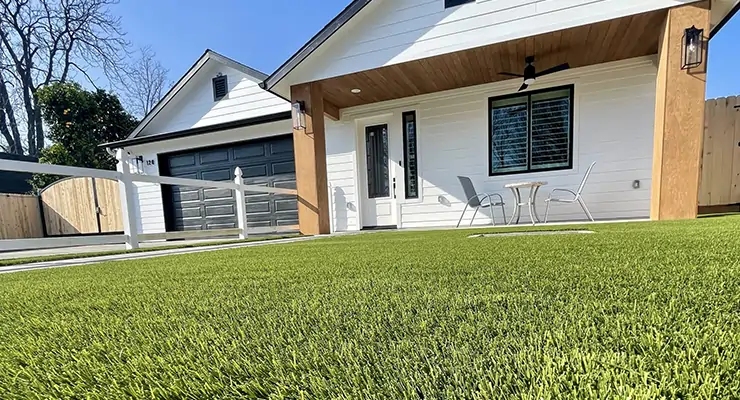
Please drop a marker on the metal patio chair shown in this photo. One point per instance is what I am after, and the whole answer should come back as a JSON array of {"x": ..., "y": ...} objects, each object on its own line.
[
  {"x": 577, "y": 198},
  {"x": 479, "y": 200}
]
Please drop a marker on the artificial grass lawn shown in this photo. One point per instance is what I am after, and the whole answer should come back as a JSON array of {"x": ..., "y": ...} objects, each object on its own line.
[
  {"x": 61, "y": 257},
  {"x": 640, "y": 310}
]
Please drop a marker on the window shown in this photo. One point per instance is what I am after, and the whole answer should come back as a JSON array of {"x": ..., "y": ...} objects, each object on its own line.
[
  {"x": 376, "y": 147},
  {"x": 220, "y": 87},
  {"x": 455, "y": 3},
  {"x": 531, "y": 132},
  {"x": 409, "y": 155}
]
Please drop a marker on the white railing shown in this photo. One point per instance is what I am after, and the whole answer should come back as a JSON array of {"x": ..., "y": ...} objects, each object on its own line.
[{"x": 127, "y": 190}]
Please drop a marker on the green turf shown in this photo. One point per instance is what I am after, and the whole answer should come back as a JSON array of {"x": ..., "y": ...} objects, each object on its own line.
[
  {"x": 639, "y": 311},
  {"x": 60, "y": 257}
]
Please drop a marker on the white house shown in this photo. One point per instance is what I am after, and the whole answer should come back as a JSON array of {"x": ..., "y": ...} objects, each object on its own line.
[
  {"x": 402, "y": 97},
  {"x": 216, "y": 118}
]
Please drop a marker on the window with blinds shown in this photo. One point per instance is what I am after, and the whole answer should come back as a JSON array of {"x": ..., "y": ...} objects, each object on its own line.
[{"x": 531, "y": 132}]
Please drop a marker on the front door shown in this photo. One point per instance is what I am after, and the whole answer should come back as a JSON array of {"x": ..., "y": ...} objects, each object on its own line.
[{"x": 379, "y": 197}]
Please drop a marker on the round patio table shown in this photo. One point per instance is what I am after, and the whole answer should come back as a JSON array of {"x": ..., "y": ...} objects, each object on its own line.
[{"x": 534, "y": 187}]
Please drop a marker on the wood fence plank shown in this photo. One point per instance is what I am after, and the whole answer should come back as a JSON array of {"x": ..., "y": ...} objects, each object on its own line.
[
  {"x": 735, "y": 145},
  {"x": 20, "y": 217},
  {"x": 109, "y": 201},
  {"x": 707, "y": 149}
]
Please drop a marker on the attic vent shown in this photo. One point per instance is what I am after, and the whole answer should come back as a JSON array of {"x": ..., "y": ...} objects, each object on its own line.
[{"x": 220, "y": 87}]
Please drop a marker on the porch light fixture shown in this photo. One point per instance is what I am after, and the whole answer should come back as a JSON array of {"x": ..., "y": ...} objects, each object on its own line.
[
  {"x": 356, "y": 91},
  {"x": 693, "y": 48},
  {"x": 299, "y": 115},
  {"x": 139, "y": 164}
]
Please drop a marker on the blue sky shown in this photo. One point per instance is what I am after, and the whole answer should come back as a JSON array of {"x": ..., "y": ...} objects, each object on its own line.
[{"x": 263, "y": 34}]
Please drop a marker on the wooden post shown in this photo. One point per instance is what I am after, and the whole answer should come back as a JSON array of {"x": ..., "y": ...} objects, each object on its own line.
[
  {"x": 241, "y": 203},
  {"x": 310, "y": 162},
  {"x": 128, "y": 200},
  {"x": 679, "y": 118}
]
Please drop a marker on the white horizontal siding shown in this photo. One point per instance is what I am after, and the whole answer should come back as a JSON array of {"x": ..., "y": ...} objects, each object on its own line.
[
  {"x": 340, "y": 165},
  {"x": 194, "y": 106},
  {"x": 613, "y": 125},
  {"x": 391, "y": 32}
]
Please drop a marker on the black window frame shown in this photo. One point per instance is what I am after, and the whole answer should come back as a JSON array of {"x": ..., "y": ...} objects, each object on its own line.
[
  {"x": 455, "y": 3},
  {"x": 214, "y": 81},
  {"x": 529, "y": 95},
  {"x": 406, "y": 170}
]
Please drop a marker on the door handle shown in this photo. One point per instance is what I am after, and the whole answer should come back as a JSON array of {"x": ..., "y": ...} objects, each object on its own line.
[{"x": 394, "y": 188}]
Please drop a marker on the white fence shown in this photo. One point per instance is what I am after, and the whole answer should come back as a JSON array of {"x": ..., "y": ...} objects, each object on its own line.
[{"x": 126, "y": 181}]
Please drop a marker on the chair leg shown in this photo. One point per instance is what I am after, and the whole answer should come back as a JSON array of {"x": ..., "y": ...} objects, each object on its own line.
[
  {"x": 547, "y": 210},
  {"x": 585, "y": 209},
  {"x": 462, "y": 215},
  {"x": 503, "y": 212},
  {"x": 490, "y": 207},
  {"x": 474, "y": 214}
]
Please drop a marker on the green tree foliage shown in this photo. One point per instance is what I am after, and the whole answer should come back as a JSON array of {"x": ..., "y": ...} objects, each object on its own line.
[{"x": 78, "y": 121}]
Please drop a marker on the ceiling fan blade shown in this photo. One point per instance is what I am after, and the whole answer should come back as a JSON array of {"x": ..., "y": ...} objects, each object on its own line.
[
  {"x": 524, "y": 87},
  {"x": 557, "y": 68},
  {"x": 511, "y": 74}
]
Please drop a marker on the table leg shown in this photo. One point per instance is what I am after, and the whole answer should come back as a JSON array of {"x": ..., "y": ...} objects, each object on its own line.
[
  {"x": 534, "y": 204},
  {"x": 530, "y": 203},
  {"x": 517, "y": 201}
]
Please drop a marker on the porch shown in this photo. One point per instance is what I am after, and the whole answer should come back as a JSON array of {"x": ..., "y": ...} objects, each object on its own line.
[{"x": 630, "y": 107}]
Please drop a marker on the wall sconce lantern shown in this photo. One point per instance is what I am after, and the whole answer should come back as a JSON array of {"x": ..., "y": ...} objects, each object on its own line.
[
  {"x": 299, "y": 115},
  {"x": 693, "y": 48},
  {"x": 139, "y": 164}
]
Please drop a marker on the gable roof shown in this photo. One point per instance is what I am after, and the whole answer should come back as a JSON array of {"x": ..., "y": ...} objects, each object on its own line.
[
  {"x": 185, "y": 79},
  {"x": 354, "y": 8},
  {"x": 332, "y": 27}
]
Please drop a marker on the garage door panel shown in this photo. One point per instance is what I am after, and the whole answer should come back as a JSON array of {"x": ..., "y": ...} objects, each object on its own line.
[
  {"x": 212, "y": 194},
  {"x": 267, "y": 163},
  {"x": 285, "y": 167},
  {"x": 223, "y": 174},
  {"x": 282, "y": 147},
  {"x": 220, "y": 210},
  {"x": 185, "y": 160},
  {"x": 214, "y": 156},
  {"x": 179, "y": 196},
  {"x": 191, "y": 212},
  {"x": 253, "y": 171},
  {"x": 257, "y": 207},
  {"x": 249, "y": 151}
]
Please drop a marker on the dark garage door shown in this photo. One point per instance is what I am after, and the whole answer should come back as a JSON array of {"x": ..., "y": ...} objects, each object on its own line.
[{"x": 268, "y": 162}]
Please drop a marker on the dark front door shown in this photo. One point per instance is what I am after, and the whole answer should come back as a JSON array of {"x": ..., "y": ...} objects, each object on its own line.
[{"x": 266, "y": 162}]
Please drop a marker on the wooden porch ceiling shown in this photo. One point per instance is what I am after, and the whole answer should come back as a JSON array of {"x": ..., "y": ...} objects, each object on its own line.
[{"x": 607, "y": 41}]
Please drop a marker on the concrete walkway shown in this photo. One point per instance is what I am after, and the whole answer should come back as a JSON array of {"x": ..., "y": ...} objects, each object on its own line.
[{"x": 145, "y": 255}]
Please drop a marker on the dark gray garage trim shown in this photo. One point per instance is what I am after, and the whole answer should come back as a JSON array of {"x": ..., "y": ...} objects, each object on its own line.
[{"x": 268, "y": 161}]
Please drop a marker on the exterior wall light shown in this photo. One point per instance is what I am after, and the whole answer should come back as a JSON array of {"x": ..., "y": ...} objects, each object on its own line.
[
  {"x": 693, "y": 48},
  {"x": 299, "y": 115}
]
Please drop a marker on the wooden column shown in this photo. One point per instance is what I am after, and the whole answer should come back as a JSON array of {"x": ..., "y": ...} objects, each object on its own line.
[
  {"x": 310, "y": 162},
  {"x": 679, "y": 118}
]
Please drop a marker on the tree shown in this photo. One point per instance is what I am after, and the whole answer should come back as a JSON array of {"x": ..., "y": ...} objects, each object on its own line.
[
  {"x": 79, "y": 121},
  {"x": 46, "y": 41},
  {"x": 146, "y": 83}
]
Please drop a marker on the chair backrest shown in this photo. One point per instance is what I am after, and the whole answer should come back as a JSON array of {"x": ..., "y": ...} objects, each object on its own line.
[
  {"x": 471, "y": 196},
  {"x": 585, "y": 178}
]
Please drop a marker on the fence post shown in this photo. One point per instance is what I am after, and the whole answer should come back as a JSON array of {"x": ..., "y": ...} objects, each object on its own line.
[
  {"x": 128, "y": 202},
  {"x": 241, "y": 203}
]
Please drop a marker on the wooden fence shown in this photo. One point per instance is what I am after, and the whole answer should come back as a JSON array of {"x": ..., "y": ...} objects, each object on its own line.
[
  {"x": 82, "y": 206},
  {"x": 720, "y": 173},
  {"x": 20, "y": 217}
]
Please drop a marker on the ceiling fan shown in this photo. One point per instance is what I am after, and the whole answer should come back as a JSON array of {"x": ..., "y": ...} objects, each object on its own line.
[{"x": 530, "y": 73}]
